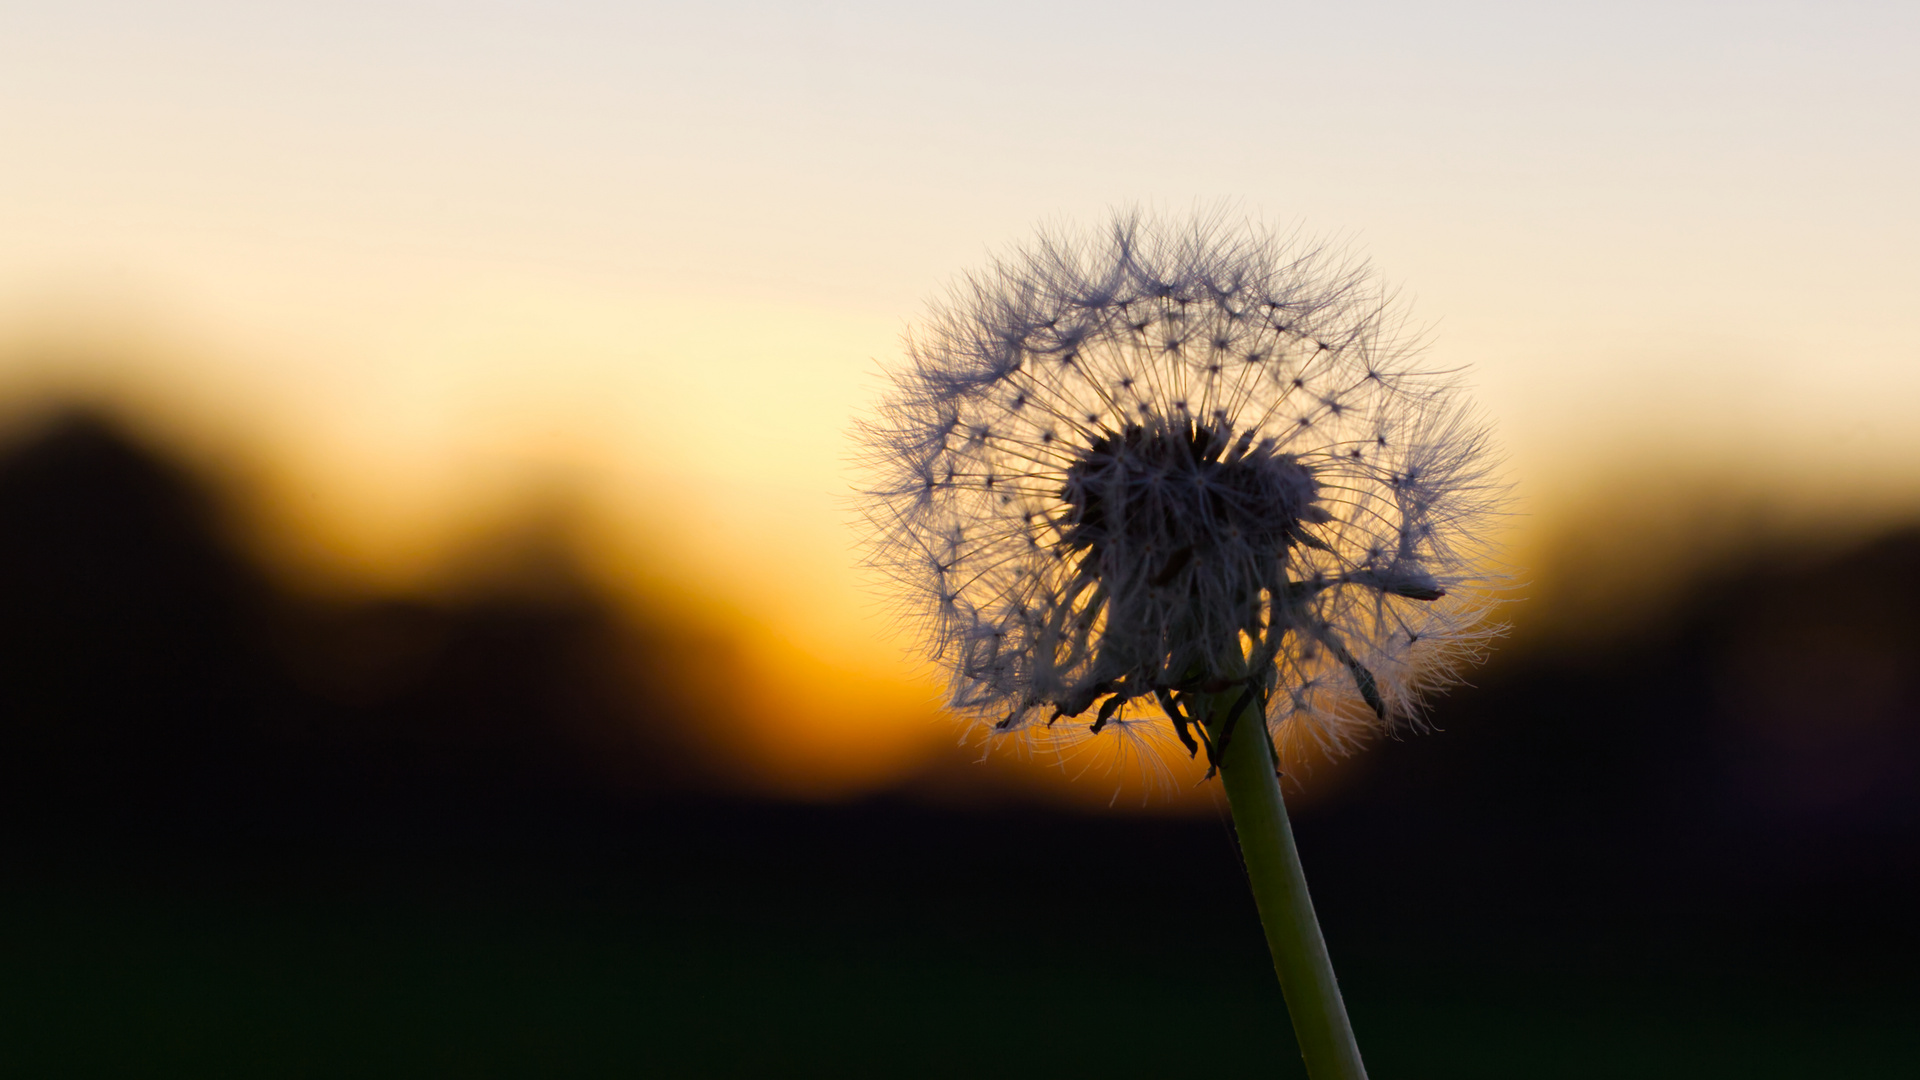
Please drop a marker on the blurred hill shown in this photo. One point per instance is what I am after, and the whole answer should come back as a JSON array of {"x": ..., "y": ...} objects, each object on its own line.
[
  {"x": 1741, "y": 764},
  {"x": 150, "y": 672},
  {"x": 1717, "y": 803}
]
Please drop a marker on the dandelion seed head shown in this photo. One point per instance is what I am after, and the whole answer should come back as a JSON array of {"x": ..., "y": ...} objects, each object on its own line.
[{"x": 1174, "y": 457}]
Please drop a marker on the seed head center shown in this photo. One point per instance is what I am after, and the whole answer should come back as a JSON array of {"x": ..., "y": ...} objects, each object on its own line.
[{"x": 1170, "y": 501}]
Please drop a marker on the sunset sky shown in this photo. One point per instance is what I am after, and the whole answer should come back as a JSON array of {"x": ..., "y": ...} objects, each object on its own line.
[{"x": 409, "y": 271}]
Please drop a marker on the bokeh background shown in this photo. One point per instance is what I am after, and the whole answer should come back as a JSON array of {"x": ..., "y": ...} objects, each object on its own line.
[{"x": 431, "y": 639}]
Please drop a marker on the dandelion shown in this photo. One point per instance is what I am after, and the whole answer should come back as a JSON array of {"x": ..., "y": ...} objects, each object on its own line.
[{"x": 1187, "y": 469}]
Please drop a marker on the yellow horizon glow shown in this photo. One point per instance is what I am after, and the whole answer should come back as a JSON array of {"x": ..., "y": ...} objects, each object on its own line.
[{"x": 701, "y": 474}]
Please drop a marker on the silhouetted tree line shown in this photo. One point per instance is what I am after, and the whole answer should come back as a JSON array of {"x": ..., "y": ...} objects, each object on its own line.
[
  {"x": 1747, "y": 759},
  {"x": 150, "y": 671},
  {"x": 1744, "y": 763}
]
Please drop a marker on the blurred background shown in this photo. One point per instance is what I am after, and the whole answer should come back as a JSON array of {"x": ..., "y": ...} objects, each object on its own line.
[{"x": 431, "y": 639}]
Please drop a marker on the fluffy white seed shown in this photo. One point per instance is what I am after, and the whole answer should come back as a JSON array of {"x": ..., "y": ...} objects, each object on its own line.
[{"x": 1171, "y": 458}]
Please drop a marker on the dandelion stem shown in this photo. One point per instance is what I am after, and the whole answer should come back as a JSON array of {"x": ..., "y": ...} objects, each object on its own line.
[{"x": 1280, "y": 892}]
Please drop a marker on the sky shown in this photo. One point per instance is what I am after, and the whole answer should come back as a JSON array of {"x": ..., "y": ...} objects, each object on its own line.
[{"x": 409, "y": 270}]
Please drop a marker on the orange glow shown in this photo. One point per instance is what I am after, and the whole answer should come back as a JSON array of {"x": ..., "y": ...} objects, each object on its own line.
[
  {"x": 711, "y": 484},
  {"x": 811, "y": 728}
]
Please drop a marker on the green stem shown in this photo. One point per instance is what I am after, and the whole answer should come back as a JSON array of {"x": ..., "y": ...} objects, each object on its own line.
[{"x": 1280, "y": 892}]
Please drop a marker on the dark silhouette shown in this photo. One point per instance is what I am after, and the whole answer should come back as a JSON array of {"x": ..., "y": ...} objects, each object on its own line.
[
  {"x": 1743, "y": 768},
  {"x": 151, "y": 675}
]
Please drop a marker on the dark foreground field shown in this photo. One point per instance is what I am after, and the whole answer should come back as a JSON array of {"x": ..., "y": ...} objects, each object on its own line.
[{"x": 755, "y": 939}]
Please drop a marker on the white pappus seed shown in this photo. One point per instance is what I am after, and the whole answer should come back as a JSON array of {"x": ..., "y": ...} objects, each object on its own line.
[{"x": 1170, "y": 457}]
